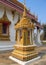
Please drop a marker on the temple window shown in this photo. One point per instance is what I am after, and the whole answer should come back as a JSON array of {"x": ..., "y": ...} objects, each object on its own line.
[
  {"x": 4, "y": 28},
  {"x": 4, "y": 31}
]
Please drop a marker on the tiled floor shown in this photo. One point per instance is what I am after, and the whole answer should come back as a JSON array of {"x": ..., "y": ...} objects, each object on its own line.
[{"x": 4, "y": 57}]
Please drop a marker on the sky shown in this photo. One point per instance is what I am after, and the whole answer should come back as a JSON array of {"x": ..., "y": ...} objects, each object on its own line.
[{"x": 37, "y": 7}]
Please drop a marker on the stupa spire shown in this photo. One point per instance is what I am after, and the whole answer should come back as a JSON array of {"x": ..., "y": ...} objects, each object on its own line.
[{"x": 24, "y": 13}]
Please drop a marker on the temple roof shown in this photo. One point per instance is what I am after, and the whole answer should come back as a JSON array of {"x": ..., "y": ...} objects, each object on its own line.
[
  {"x": 17, "y": 2},
  {"x": 16, "y": 5},
  {"x": 24, "y": 22}
]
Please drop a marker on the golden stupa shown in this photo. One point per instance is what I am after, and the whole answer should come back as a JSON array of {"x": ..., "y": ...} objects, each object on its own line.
[{"x": 24, "y": 49}]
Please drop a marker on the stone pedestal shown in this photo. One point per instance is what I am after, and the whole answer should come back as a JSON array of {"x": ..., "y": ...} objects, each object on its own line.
[{"x": 24, "y": 53}]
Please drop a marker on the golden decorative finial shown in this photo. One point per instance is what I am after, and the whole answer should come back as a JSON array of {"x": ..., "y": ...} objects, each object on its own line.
[
  {"x": 24, "y": 13},
  {"x": 4, "y": 16}
]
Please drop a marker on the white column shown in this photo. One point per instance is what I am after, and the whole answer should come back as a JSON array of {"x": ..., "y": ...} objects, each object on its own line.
[
  {"x": 12, "y": 32},
  {"x": 38, "y": 36}
]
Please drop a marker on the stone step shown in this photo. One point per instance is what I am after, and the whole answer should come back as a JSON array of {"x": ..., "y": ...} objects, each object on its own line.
[{"x": 6, "y": 45}]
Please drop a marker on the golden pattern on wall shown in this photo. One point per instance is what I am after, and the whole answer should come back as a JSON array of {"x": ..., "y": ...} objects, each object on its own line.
[{"x": 4, "y": 28}]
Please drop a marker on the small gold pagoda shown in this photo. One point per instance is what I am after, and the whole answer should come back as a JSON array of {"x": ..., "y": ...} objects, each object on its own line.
[{"x": 24, "y": 49}]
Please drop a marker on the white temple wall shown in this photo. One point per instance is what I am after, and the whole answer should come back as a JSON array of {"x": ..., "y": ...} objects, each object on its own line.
[
  {"x": 13, "y": 22},
  {"x": 1, "y": 12}
]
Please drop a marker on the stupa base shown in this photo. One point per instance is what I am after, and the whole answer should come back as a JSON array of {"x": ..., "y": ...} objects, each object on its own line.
[
  {"x": 23, "y": 62},
  {"x": 24, "y": 57},
  {"x": 25, "y": 53}
]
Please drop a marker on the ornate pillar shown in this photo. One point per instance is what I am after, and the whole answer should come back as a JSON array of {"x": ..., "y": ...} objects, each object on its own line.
[
  {"x": 0, "y": 31},
  {"x": 18, "y": 35},
  {"x": 31, "y": 37},
  {"x": 25, "y": 37},
  {"x": 0, "y": 28}
]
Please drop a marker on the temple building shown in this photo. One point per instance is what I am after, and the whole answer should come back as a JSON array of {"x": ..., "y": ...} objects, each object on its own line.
[
  {"x": 44, "y": 29},
  {"x": 43, "y": 35},
  {"x": 11, "y": 13}
]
